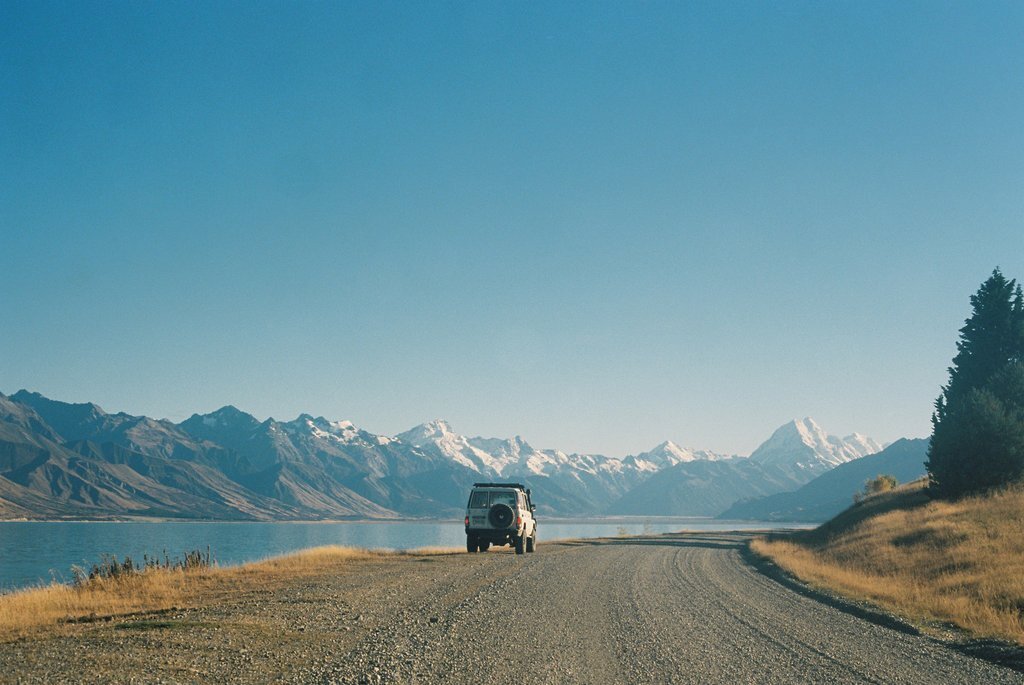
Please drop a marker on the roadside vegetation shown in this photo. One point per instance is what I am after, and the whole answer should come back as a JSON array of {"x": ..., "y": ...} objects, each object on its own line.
[
  {"x": 948, "y": 548},
  {"x": 114, "y": 589},
  {"x": 956, "y": 562}
]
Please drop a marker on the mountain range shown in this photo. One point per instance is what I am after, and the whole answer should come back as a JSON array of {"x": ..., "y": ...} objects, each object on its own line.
[
  {"x": 65, "y": 460},
  {"x": 830, "y": 493}
]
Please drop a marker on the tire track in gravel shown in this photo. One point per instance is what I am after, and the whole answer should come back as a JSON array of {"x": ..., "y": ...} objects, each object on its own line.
[
  {"x": 393, "y": 649},
  {"x": 516, "y": 621},
  {"x": 701, "y": 615},
  {"x": 745, "y": 628}
]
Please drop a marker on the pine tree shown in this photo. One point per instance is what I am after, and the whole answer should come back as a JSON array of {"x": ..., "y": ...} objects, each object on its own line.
[{"x": 978, "y": 425}]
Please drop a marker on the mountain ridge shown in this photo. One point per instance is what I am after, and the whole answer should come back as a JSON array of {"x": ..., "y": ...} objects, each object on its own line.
[
  {"x": 229, "y": 464},
  {"x": 829, "y": 493}
]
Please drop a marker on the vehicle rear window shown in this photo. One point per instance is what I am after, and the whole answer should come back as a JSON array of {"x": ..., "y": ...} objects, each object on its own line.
[
  {"x": 504, "y": 497},
  {"x": 479, "y": 500}
]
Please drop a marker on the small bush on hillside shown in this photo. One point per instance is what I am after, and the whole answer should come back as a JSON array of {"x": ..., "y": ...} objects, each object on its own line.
[{"x": 880, "y": 483}]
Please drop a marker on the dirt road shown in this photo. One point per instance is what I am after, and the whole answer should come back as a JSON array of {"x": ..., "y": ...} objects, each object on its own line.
[{"x": 673, "y": 609}]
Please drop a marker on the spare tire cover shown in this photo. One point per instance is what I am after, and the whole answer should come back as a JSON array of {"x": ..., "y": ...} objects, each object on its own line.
[{"x": 501, "y": 516}]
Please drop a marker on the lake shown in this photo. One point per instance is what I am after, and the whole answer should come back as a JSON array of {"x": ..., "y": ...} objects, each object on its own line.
[{"x": 33, "y": 552}]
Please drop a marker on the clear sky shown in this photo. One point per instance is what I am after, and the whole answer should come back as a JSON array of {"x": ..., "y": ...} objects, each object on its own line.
[{"x": 598, "y": 225}]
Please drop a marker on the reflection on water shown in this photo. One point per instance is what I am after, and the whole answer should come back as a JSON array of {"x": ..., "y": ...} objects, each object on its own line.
[{"x": 34, "y": 552}]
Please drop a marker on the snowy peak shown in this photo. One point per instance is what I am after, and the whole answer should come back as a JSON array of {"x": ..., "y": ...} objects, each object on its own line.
[
  {"x": 438, "y": 437},
  {"x": 439, "y": 426},
  {"x": 438, "y": 429},
  {"x": 802, "y": 445},
  {"x": 493, "y": 457},
  {"x": 511, "y": 449},
  {"x": 322, "y": 429},
  {"x": 668, "y": 454},
  {"x": 515, "y": 454},
  {"x": 866, "y": 444}
]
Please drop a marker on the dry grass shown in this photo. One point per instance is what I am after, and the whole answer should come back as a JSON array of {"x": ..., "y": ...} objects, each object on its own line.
[
  {"x": 27, "y": 611},
  {"x": 955, "y": 562},
  {"x": 308, "y": 561},
  {"x": 22, "y": 612}
]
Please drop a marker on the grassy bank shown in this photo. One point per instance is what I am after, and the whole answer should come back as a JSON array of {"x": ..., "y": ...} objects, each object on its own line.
[
  {"x": 953, "y": 562},
  {"x": 159, "y": 589}
]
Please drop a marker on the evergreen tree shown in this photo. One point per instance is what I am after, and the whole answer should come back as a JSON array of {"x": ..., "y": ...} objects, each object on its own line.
[{"x": 978, "y": 425}]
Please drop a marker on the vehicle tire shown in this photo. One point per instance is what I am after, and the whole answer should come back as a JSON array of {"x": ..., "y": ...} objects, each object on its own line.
[
  {"x": 531, "y": 543},
  {"x": 471, "y": 544},
  {"x": 501, "y": 516},
  {"x": 520, "y": 544},
  {"x": 484, "y": 546}
]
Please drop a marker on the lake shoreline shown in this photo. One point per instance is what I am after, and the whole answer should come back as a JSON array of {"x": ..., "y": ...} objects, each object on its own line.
[
  {"x": 550, "y": 519},
  {"x": 33, "y": 552}
]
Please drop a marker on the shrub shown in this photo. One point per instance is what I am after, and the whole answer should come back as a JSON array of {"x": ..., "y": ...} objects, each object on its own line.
[
  {"x": 109, "y": 568},
  {"x": 880, "y": 483}
]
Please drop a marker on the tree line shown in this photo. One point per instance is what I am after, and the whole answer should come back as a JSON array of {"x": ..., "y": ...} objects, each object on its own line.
[{"x": 977, "y": 440}]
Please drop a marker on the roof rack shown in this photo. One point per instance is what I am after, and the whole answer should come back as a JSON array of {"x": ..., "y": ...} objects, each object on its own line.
[{"x": 499, "y": 485}]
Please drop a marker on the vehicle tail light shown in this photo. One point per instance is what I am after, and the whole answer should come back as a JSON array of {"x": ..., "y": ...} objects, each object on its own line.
[
  {"x": 519, "y": 521},
  {"x": 467, "y": 520}
]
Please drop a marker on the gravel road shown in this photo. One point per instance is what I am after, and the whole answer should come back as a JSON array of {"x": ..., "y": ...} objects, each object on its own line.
[{"x": 682, "y": 608}]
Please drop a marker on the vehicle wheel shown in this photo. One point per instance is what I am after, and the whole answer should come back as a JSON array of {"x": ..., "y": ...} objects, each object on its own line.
[
  {"x": 471, "y": 544},
  {"x": 531, "y": 543},
  {"x": 484, "y": 546},
  {"x": 501, "y": 516},
  {"x": 520, "y": 544}
]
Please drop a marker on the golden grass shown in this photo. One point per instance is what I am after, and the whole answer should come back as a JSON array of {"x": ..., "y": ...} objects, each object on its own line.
[
  {"x": 29, "y": 610},
  {"x": 23, "y": 611},
  {"x": 955, "y": 562}
]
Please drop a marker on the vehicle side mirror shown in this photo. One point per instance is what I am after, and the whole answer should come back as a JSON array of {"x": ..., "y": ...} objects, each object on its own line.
[{"x": 533, "y": 507}]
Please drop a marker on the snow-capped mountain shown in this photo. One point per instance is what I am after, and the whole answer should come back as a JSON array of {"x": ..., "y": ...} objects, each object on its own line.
[
  {"x": 801, "y": 446},
  {"x": 669, "y": 454},
  {"x": 704, "y": 486},
  {"x": 77, "y": 460},
  {"x": 438, "y": 437},
  {"x": 667, "y": 479},
  {"x": 503, "y": 457},
  {"x": 572, "y": 482}
]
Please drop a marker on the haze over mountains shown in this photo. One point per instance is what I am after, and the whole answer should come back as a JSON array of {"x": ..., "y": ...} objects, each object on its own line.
[{"x": 60, "y": 460}]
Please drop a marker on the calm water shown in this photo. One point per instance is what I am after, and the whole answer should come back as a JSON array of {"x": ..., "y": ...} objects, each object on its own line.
[{"x": 34, "y": 552}]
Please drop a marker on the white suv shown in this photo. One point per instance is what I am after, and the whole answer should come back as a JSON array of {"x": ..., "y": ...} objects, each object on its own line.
[{"x": 500, "y": 514}]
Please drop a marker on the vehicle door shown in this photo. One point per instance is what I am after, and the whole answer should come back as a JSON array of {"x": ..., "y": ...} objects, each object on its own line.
[{"x": 479, "y": 503}]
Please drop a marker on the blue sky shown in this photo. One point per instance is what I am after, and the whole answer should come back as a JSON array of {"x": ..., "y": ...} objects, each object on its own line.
[{"x": 599, "y": 225}]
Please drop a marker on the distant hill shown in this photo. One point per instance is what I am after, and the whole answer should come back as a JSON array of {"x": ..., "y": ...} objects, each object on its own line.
[{"x": 832, "y": 492}]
